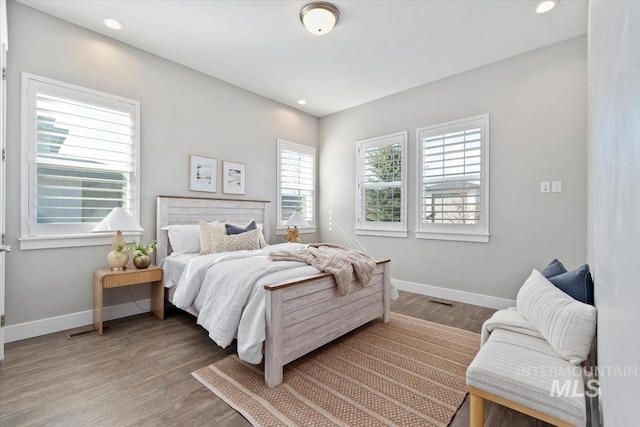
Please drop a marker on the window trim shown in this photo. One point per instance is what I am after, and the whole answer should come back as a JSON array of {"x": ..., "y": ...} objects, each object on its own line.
[
  {"x": 71, "y": 239},
  {"x": 380, "y": 229},
  {"x": 304, "y": 149},
  {"x": 456, "y": 232}
]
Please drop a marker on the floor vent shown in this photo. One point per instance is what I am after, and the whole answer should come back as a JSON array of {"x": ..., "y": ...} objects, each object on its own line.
[
  {"x": 448, "y": 304},
  {"x": 78, "y": 334}
]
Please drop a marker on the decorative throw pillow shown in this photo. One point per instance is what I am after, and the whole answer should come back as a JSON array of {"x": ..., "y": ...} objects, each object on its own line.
[
  {"x": 554, "y": 268},
  {"x": 236, "y": 242},
  {"x": 568, "y": 325},
  {"x": 577, "y": 283},
  {"x": 263, "y": 242},
  {"x": 184, "y": 238},
  {"x": 206, "y": 229},
  {"x": 234, "y": 229}
]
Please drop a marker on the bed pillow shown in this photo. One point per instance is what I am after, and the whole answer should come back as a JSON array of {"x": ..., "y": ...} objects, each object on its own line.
[
  {"x": 577, "y": 283},
  {"x": 205, "y": 231},
  {"x": 554, "y": 268},
  {"x": 234, "y": 229},
  {"x": 263, "y": 242},
  {"x": 236, "y": 242},
  {"x": 567, "y": 324},
  {"x": 184, "y": 238}
]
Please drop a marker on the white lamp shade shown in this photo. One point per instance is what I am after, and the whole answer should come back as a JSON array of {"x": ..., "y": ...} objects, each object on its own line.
[
  {"x": 117, "y": 220},
  {"x": 297, "y": 220},
  {"x": 319, "y": 17}
]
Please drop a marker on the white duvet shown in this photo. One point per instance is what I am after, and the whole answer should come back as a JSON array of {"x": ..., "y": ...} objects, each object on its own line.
[{"x": 227, "y": 289}]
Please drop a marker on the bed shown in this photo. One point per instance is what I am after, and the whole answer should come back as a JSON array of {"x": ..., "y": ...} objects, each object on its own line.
[{"x": 300, "y": 314}]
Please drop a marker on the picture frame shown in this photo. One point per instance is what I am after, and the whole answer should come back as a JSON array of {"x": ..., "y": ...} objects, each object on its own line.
[
  {"x": 203, "y": 174},
  {"x": 233, "y": 178}
]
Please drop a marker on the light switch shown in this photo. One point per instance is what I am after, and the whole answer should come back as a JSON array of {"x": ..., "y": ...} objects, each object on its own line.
[
  {"x": 556, "y": 186},
  {"x": 545, "y": 187}
]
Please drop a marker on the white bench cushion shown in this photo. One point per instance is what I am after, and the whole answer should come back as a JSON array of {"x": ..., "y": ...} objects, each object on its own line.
[{"x": 522, "y": 369}]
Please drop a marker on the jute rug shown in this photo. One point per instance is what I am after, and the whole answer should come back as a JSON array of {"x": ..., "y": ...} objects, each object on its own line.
[{"x": 407, "y": 372}]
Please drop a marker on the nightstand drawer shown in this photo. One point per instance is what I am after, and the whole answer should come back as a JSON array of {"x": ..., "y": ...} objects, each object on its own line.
[{"x": 131, "y": 277}]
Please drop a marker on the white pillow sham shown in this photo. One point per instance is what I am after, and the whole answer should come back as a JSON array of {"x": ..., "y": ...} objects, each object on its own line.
[
  {"x": 567, "y": 324},
  {"x": 184, "y": 238}
]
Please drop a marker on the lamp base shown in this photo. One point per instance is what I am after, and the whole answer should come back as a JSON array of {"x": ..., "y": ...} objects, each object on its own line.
[{"x": 117, "y": 260}]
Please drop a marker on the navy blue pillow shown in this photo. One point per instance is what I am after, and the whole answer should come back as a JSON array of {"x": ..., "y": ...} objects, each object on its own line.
[
  {"x": 577, "y": 283},
  {"x": 554, "y": 268},
  {"x": 232, "y": 229}
]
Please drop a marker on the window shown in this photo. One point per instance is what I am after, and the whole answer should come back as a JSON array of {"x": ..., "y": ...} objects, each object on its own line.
[
  {"x": 453, "y": 182},
  {"x": 80, "y": 161},
  {"x": 296, "y": 183},
  {"x": 381, "y": 186}
]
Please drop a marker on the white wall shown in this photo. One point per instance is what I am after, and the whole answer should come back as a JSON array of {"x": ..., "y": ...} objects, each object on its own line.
[
  {"x": 614, "y": 200},
  {"x": 537, "y": 104},
  {"x": 183, "y": 112}
]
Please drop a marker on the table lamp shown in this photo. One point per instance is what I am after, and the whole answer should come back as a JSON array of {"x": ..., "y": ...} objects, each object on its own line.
[
  {"x": 118, "y": 220},
  {"x": 295, "y": 220}
]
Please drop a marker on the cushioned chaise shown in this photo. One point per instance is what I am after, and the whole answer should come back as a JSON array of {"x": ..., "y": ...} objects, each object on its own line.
[{"x": 524, "y": 370}]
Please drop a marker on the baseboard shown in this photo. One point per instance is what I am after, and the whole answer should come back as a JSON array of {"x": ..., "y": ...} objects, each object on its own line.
[
  {"x": 36, "y": 328},
  {"x": 454, "y": 295}
]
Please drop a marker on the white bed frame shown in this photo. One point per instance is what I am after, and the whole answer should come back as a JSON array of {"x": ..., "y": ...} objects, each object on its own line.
[{"x": 301, "y": 315}]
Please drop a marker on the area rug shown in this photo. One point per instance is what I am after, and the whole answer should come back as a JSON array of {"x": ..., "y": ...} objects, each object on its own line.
[{"x": 408, "y": 372}]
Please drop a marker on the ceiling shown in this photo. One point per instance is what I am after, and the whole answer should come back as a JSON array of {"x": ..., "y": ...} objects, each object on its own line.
[{"x": 378, "y": 47}]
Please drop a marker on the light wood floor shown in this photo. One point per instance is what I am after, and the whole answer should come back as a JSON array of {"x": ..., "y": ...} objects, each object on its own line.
[{"x": 138, "y": 373}]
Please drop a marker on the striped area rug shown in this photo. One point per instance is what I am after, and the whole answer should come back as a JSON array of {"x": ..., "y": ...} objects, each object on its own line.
[{"x": 408, "y": 372}]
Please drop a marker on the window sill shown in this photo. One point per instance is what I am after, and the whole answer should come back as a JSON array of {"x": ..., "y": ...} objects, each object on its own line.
[
  {"x": 300, "y": 230},
  {"x": 77, "y": 240},
  {"x": 457, "y": 237},
  {"x": 382, "y": 233}
]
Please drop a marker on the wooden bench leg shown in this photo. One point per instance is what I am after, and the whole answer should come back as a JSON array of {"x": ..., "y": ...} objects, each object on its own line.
[{"x": 477, "y": 411}]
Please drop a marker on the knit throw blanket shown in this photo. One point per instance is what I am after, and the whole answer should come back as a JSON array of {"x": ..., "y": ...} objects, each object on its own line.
[{"x": 335, "y": 259}]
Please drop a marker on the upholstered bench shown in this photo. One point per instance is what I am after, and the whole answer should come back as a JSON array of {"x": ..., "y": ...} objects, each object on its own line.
[
  {"x": 524, "y": 373},
  {"x": 530, "y": 356}
]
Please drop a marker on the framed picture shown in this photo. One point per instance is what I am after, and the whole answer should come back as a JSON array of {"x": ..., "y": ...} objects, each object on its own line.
[
  {"x": 233, "y": 178},
  {"x": 203, "y": 174}
]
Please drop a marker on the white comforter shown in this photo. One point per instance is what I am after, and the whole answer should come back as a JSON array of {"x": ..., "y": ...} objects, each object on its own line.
[{"x": 227, "y": 289}]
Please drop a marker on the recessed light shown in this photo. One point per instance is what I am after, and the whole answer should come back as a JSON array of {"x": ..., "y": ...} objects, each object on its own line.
[
  {"x": 546, "y": 5},
  {"x": 302, "y": 101},
  {"x": 112, "y": 23}
]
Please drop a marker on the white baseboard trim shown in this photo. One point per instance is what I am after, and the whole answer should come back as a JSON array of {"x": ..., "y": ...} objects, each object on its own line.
[
  {"x": 36, "y": 328},
  {"x": 454, "y": 295}
]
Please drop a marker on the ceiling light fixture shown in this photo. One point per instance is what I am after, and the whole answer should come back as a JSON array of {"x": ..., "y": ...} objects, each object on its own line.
[
  {"x": 302, "y": 101},
  {"x": 319, "y": 17},
  {"x": 112, "y": 23},
  {"x": 546, "y": 5}
]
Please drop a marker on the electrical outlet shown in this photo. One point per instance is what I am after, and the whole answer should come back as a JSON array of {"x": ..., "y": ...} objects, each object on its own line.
[
  {"x": 545, "y": 187},
  {"x": 556, "y": 186}
]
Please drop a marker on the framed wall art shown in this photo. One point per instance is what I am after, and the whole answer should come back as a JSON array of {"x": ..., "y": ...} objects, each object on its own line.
[
  {"x": 233, "y": 178},
  {"x": 203, "y": 174}
]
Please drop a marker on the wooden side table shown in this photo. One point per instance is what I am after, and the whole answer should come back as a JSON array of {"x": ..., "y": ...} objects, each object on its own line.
[{"x": 105, "y": 278}]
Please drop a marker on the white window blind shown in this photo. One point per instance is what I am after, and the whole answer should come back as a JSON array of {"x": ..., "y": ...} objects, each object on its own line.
[
  {"x": 82, "y": 157},
  {"x": 381, "y": 181},
  {"x": 296, "y": 181},
  {"x": 453, "y": 178}
]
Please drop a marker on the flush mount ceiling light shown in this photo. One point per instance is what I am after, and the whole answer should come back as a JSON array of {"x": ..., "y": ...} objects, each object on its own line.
[
  {"x": 112, "y": 23},
  {"x": 545, "y": 6},
  {"x": 319, "y": 17}
]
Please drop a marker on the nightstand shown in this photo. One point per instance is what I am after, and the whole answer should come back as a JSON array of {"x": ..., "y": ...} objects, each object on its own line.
[{"x": 106, "y": 278}]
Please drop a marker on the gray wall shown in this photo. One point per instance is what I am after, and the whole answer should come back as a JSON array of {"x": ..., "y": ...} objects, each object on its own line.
[
  {"x": 537, "y": 106},
  {"x": 183, "y": 112},
  {"x": 614, "y": 200}
]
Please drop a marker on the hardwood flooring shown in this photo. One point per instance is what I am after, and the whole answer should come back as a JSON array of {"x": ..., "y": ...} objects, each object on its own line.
[{"x": 139, "y": 373}]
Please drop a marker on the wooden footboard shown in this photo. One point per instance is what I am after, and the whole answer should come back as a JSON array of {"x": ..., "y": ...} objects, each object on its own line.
[{"x": 303, "y": 315}]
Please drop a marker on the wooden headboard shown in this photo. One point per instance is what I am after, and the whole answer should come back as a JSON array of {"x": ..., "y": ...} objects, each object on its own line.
[{"x": 190, "y": 210}]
